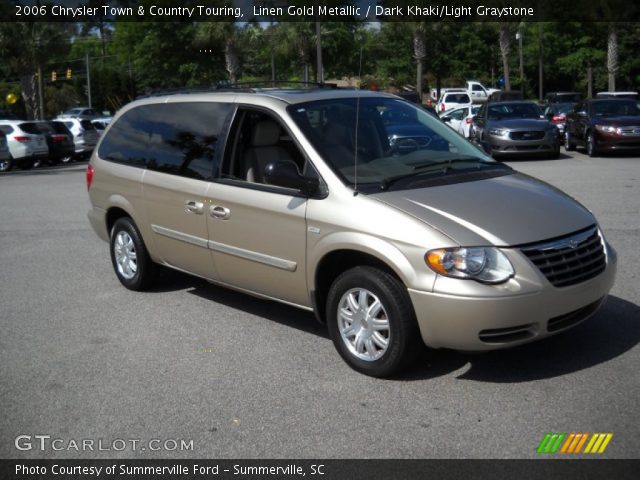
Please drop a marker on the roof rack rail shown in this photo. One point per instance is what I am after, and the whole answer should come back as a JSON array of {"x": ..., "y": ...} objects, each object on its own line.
[
  {"x": 272, "y": 84},
  {"x": 245, "y": 87}
]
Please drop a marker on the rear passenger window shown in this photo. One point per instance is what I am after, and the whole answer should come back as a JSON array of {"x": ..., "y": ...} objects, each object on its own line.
[{"x": 175, "y": 138}]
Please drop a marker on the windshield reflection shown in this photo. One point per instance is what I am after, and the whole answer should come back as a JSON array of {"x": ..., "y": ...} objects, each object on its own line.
[{"x": 376, "y": 141}]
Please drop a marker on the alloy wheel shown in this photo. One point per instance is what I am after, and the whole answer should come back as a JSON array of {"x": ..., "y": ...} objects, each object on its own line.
[{"x": 363, "y": 324}]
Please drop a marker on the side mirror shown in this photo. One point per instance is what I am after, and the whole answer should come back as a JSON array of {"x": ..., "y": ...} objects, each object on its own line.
[
  {"x": 285, "y": 174},
  {"x": 446, "y": 119}
]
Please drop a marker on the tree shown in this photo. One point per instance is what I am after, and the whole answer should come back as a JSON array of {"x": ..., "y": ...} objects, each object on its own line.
[
  {"x": 504, "y": 35},
  {"x": 40, "y": 42}
]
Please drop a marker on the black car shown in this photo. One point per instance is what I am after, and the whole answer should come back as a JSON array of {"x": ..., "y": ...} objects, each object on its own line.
[
  {"x": 562, "y": 97},
  {"x": 603, "y": 125},
  {"x": 556, "y": 113},
  {"x": 59, "y": 140}
]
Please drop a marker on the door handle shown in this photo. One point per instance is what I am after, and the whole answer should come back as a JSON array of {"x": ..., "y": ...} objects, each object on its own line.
[
  {"x": 192, "y": 206},
  {"x": 220, "y": 212}
]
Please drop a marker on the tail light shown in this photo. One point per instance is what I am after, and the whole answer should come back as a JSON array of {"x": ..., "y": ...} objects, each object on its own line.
[
  {"x": 442, "y": 107},
  {"x": 58, "y": 138},
  {"x": 21, "y": 139},
  {"x": 89, "y": 176},
  {"x": 469, "y": 120},
  {"x": 558, "y": 118}
]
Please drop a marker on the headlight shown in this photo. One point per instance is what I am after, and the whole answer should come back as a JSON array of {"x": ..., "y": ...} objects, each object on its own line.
[
  {"x": 498, "y": 132},
  {"x": 606, "y": 128},
  {"x": 484, "y": 264}
]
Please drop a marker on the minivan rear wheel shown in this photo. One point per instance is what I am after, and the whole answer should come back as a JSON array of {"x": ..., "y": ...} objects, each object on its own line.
[
  {"x": 131, "y": 262},
  {"x": 371, "y": 321}
]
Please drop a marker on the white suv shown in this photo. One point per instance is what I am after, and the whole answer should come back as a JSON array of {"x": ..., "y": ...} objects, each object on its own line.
[
  {"x": 26, "y": 144},
  {"x": 453, "y": 99}
]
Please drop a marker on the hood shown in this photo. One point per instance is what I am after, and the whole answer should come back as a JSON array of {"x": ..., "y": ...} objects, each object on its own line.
[
  {"x": 516, "y": 123},
  {"x": 503, "y": 211}
]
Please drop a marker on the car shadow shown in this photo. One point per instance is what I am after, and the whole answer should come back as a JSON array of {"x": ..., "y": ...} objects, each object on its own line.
[
  {"x": 612, "y": 331},
  {"x": 270, "y": 310}
]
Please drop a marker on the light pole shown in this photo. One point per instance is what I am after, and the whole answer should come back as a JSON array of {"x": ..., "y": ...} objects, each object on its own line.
[{"x": 519, "y": 36}]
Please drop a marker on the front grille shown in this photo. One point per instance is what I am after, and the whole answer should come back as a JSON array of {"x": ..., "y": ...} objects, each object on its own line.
[
  {"x": 572, "y": 318},
  {"x": 569, "y": 260},
  {"x": 532, "y": 135},
  {"x": 630, "y": 131}
]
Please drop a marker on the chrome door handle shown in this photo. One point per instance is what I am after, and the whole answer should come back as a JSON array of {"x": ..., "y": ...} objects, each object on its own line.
[
  {"x": 194, "y": 207},
  {"x": 220, "y": 212}
]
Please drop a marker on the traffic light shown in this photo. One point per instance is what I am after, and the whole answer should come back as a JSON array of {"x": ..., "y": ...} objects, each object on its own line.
[
  {"x": 68, "y": 73},
  {"x": 54, "y": 76}
]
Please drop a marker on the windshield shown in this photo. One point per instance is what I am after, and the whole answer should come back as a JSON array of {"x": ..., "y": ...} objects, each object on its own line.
[
  {"x": 394, "y": 140},
  {"x": 513, "y": 110},
  {"x": 615, "y": 108}
]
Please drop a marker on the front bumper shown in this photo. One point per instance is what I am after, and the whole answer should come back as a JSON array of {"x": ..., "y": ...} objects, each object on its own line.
[
  {"x": 476, "y": 323},
  {"x": 502, "y": 146},
  {"x": 617, "y": 143}
]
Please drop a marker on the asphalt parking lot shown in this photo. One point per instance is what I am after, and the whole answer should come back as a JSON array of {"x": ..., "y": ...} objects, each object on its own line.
[{"x": 83, "y": 358}]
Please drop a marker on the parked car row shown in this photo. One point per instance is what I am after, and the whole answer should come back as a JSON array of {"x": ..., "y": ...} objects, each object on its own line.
[
  {"x": 25, "y": 143},
  {"x": 509, "y": 125}
]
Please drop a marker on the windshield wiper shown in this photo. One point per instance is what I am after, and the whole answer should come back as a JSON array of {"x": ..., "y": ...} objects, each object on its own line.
[{"x": 387, "y": 182}]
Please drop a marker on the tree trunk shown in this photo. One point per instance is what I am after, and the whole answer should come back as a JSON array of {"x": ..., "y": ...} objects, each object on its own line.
[
  {"x": 30, "y": 95},
  {"x": 505, "y": 48},
  {"x": 232, "y": 61},
  {"x": 419, "y": 53},
  {"x": 612, "y": 57}
]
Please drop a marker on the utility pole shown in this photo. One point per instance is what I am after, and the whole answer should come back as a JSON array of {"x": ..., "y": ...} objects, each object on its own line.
[
  {"x": 519, "y": 38},
  {"x": 86, "y": 64},
  {"x": 319, "y": 70}
]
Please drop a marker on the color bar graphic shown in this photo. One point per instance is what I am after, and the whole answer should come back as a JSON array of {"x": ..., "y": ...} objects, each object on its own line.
[{"x": 572, "y": 443}]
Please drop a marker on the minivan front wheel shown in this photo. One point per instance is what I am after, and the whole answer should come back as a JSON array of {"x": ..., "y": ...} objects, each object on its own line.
[
  {"x": 371, "y": 321},
  {"x": 131, "y": 262}
]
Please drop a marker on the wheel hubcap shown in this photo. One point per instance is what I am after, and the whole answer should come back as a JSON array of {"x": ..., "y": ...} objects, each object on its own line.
[
  {"x": 364, "y": 324},
  {"x": 125, "y": 255}
]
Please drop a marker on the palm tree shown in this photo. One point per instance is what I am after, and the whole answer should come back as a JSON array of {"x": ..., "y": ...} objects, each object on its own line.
[
  {"x": 419, "y": 53},
  {"x": 612, "y": 56},
  {"x": 228, "y": 34}
]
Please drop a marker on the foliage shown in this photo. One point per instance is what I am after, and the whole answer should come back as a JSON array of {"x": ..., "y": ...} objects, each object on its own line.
[{"x": 130, "y": 58}]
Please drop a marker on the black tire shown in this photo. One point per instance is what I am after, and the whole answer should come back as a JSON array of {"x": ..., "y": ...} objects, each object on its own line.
[
  {"x": 6, "y": 165},
  {"x": 403, "y": 336},
  {"x": 555, "y": 153},
  {"x": 568, "y": 144},
  {"x": 592, "y": 146},
  {"x": 26, "y": 164},
  {"x": 145, "y": 269}
]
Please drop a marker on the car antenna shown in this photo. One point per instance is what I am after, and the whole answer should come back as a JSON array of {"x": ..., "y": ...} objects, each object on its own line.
[{"x": 355, "y": 140}]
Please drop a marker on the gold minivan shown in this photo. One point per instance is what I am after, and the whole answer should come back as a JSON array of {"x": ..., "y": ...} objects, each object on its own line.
[{"x": 356, "y": 205}]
